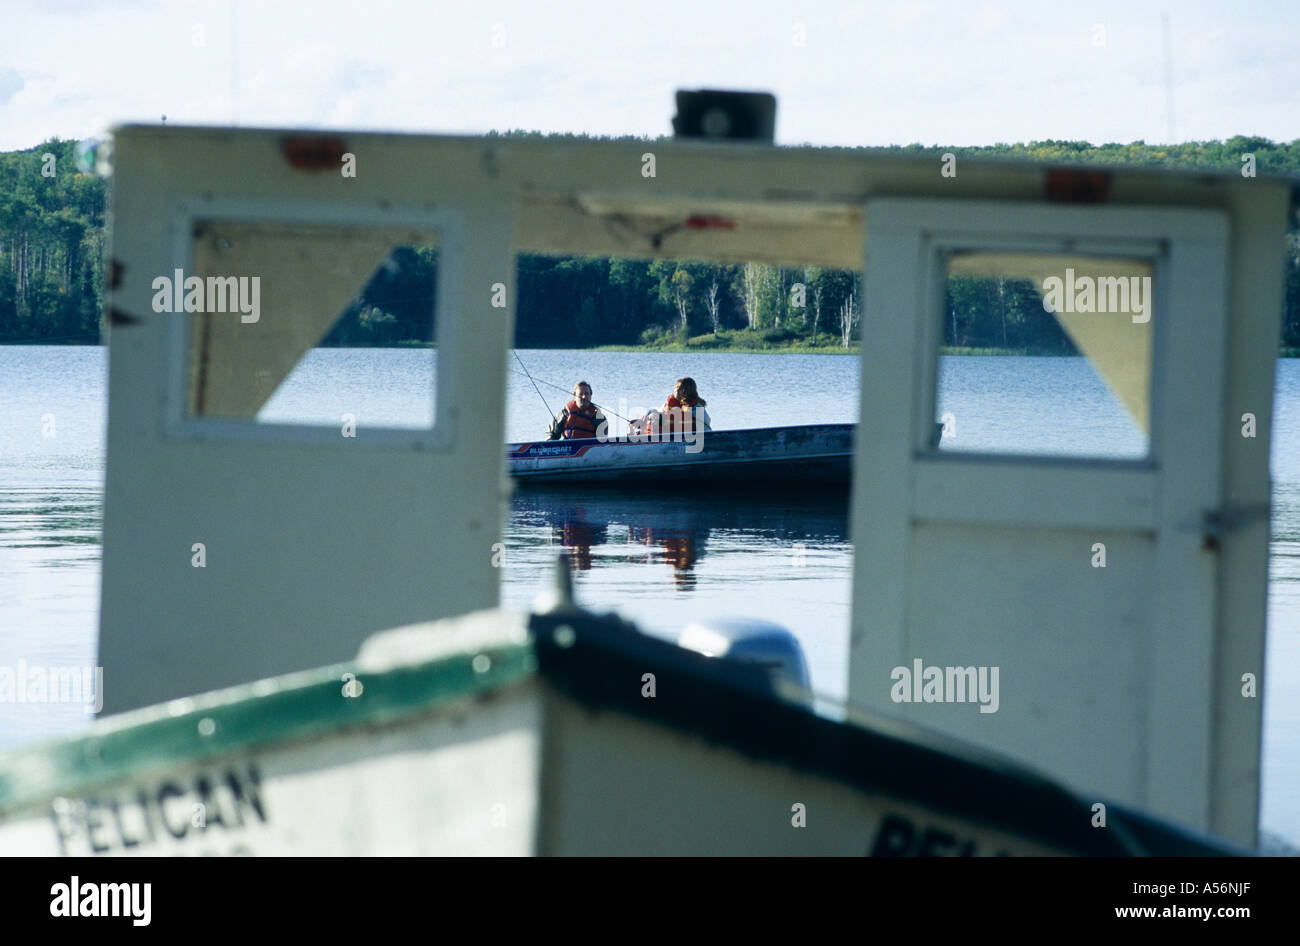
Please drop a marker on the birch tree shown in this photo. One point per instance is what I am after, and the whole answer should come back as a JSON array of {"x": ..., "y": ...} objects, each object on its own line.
[
  {"x": 714, "y": 305},
  {"x": 682, "y": 283},
  {"x": 749, "y": 295},
  {"x": 849, "y": 317}
]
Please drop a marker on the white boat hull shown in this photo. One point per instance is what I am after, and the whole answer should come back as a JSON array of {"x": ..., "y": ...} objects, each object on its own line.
[{"x": 478, "y": 736}]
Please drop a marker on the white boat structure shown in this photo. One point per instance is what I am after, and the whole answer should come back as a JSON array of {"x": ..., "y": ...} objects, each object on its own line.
[{"x": 1122, "y": 602}]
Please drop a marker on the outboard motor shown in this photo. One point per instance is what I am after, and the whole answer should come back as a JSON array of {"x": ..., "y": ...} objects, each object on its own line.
[{"x": 750, "y": 640}]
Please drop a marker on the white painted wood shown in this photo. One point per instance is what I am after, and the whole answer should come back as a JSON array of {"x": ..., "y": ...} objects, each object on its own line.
[
  {"x": 607, "y": 778},
  {"x": 1255, "y": 312},
  {"x": 346, "y": 221},
  {"x": 1189, "y": 322},
  {"x": 1070, "y": 642},
  {"x": 985, "y": 560},
  {"x": 1031, "y": 492},
  {"x": 526, "y": 771},
  {"x": 450, "y": 784},
  {"x": 312, "y": 540}
]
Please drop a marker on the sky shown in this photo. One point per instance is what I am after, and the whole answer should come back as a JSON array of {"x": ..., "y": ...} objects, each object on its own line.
[{"x": 844, "y": 73}]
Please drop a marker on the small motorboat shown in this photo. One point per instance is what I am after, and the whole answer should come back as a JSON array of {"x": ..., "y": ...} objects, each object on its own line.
[{"x": 820, "y": 454}]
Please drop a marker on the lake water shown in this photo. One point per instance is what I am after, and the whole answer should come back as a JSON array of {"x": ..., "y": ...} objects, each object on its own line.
[{"x": 661, "y": 563}]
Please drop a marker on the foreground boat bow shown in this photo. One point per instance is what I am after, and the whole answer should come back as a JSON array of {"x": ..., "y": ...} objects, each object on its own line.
[{"x": 556, "y": 733}]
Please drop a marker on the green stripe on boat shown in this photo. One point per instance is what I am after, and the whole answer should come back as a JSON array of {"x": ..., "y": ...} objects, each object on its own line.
[{"x": 249, "y": 717}]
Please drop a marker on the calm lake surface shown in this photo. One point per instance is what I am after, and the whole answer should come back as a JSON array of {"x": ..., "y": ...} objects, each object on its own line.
[{"x": 661, "y": 561}]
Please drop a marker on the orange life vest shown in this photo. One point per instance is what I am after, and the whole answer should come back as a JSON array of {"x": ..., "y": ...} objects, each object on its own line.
[
  {"x": 579, "y": 423},
  {"x": 680, "y": 414}
]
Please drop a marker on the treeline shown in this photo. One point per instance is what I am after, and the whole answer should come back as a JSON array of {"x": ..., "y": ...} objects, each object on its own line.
[
  {"x": 592, "y": 300},
  {"x": 51, "y": 246},
  {"x": 580, "y": 302},
  {"x": 52, "y": 239}
]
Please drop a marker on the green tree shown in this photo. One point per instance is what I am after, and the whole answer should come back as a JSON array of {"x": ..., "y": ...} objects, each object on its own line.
[{"x": 52, "y": 263}]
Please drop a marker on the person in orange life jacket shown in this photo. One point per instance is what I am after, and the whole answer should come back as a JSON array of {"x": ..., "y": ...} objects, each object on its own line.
[
  {"x": 684, "y": 409},
  {"x": 580, "y": 417}
]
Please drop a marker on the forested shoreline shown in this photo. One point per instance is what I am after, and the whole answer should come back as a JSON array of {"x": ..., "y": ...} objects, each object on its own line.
[{"x": 52, "y": 263}]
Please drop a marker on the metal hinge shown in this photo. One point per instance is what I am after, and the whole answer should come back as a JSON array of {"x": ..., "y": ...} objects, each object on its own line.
[{"x": 1228, "y": 518}]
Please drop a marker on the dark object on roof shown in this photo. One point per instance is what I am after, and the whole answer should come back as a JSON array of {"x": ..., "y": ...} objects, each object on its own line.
[{"x": 732, "y": 116}]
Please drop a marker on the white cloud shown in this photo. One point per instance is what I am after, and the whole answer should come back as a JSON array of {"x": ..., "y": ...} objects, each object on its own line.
[
  {"x": 11, "y": 83},
  {"x": 935, "y": 71}
]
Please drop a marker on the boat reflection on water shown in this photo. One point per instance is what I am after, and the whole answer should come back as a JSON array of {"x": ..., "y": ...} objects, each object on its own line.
[
  {"x": 578, "y": 534},
  {"x": 679, "y": 549},
  {"x": 670, "y": 531}
]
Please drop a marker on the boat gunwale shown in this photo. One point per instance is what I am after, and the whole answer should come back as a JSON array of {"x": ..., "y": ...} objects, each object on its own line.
[{"x": 250, "y": 717}]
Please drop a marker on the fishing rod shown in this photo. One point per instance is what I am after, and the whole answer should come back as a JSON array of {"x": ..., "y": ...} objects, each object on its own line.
[
  {"x": 550, "y": 412},
  {"x": 557, "y": 387}
]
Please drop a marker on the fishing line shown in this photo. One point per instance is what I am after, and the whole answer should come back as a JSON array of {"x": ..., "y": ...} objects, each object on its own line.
[
  {"x": 549, "y": 412},
  {"x": 557, "y": 387}
]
